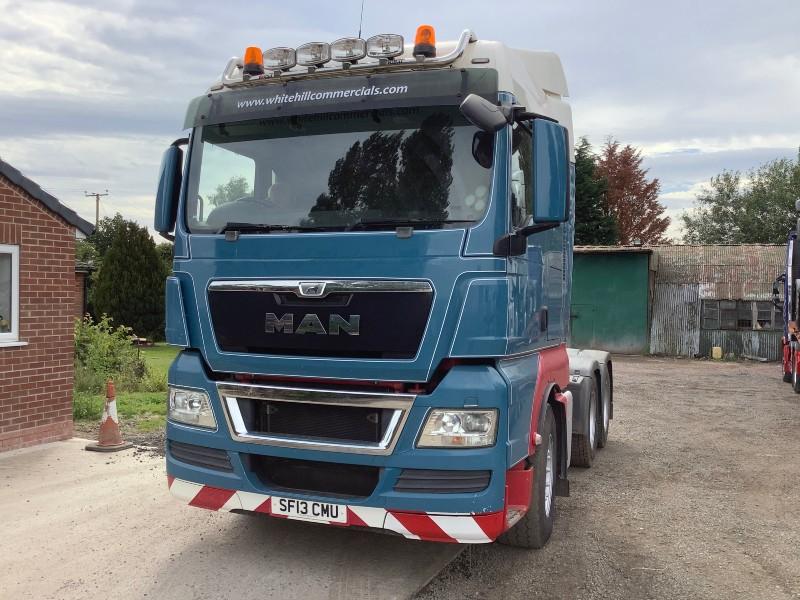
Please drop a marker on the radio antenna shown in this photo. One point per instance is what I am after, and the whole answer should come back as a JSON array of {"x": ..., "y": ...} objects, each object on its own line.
[{"x": 361, "y": 19}]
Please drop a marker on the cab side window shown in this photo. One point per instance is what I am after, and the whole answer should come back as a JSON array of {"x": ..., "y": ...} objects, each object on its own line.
[{"x": 521, "y": 171}]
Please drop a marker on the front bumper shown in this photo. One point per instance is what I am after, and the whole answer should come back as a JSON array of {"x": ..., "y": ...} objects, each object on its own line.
[
  {"x": 453, "y": 528},
  {"x": 468, "y": 517}
]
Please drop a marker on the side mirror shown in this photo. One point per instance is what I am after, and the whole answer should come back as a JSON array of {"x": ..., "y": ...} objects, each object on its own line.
[
  {"x": 483, "y": 114},
  {"x": 169, "y": 188},
  {"x": 550, "y": 172}
]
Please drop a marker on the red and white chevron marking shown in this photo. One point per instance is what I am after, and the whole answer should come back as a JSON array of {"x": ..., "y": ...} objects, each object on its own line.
[{"x": 454, "y": 528}]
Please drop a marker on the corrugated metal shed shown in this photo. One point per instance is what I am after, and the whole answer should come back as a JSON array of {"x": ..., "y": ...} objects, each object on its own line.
[
  {"x": 687, "y": 275},
  {"x": 675, "y": 322}
]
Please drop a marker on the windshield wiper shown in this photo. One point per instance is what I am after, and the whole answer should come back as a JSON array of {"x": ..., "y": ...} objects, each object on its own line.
[
  {"x": 400, "y": 222},
  {"x": 266, "y": 228}
]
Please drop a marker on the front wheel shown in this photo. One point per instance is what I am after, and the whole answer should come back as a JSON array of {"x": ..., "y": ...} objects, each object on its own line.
[
  {"x": 534, "y": 529},
  {"x": 795, "y": 374}
]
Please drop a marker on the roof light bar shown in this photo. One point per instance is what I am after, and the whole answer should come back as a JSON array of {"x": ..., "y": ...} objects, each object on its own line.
[
  {"x": 385, "y": 45},
  {"x": 280, "y": 58},
  {"x": 314, "y": 54},
  {"x": 348, "y": 50}
]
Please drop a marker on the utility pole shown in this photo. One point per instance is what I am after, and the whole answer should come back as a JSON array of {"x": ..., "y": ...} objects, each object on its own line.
[{"x": 96, "y": 204}]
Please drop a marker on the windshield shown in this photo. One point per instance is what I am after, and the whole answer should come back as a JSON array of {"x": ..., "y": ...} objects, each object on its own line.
[{"x": 374, "y": 169}]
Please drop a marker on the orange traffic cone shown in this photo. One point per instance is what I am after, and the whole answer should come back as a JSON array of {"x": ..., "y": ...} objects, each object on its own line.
[{"x": 110, "y": 438}]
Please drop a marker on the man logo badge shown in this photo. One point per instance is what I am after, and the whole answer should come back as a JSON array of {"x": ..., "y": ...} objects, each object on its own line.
[
  {"x": 311, "y": 289},
  {"x": 311, "y": 323}
]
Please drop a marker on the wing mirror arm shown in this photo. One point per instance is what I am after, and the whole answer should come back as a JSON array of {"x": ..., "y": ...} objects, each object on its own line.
[{"x": 516, "y": 242}]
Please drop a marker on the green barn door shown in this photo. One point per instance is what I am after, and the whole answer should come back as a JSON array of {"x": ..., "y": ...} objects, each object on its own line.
[{"x": 582, "y": 320}]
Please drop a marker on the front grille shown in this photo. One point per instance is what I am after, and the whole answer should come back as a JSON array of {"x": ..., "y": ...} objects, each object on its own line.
[
  {"x": 363, "y": 422},
  {"x": 335, "y": 479},
  {"x": 319, "y": 421},
  {"x": 434, "y": 481},
  {"x": 265, "y": 319},
  {"x": 199, "y": 456}
]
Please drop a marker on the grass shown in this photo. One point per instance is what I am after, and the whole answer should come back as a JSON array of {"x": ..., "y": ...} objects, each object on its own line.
[
  {"x": 159, "y": 357},
  {"x": 147, "y": 409}
]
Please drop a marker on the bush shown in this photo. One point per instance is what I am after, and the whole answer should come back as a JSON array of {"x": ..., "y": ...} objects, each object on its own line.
[
  {"x": 87, "y": 407},
  {"x": 103, "y": 351}
]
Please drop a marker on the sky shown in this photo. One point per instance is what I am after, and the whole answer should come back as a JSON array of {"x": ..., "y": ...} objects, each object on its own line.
[{"x": 94, "y": 91}]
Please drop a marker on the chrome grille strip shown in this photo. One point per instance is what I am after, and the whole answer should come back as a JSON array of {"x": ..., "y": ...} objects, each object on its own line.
[
  {"x": 399, "y": 403},
  {"x": 329, "y": 286}
]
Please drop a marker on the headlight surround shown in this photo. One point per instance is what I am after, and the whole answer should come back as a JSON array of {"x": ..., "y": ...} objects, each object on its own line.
[
  {"x": 457, "y": 428},
  {"x": 191, "y": 407}
]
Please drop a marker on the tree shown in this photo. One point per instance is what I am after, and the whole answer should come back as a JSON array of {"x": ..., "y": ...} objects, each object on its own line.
[
  {"x": 594, "y": 224},
  {"x": 632, "y": 198},
  {"x": 237, "y": 187},
  {"x": 130, "y": 282},
  {"x": 105, "y": 231},
  {"x": 85, "y": 252},
  {"x": 757, "y": 209},
  {"x": 165, "y": 251}
]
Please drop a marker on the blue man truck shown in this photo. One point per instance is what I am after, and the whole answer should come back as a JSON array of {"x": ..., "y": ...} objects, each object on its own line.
[{"x": 371, "y": 290}]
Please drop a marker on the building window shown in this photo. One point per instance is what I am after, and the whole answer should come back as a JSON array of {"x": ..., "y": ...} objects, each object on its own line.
[
  {"x": 9, "y": 293},
  {"x": 741, "y": 315}
]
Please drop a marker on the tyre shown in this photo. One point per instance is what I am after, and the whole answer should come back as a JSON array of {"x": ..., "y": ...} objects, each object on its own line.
[
  {"x": 604, "y": 416},
  {"x": 535, "y": 527},
  {"x": 795, "y": 374},
  {"x": 584, "y": 444}
]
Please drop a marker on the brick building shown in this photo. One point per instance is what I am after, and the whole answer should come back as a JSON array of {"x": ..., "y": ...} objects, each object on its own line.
[{"x": 37, "y": 307}]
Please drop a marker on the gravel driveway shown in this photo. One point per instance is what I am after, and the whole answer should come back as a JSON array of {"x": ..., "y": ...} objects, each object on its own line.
[{"x": 697, "y": 495}]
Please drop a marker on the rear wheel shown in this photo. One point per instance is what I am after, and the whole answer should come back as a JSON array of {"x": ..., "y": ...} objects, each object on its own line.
[
  {"x": 534, "y": 529},
  {"x": 795, "y": 374},
  {"x": 584, "y": 444},
  {"x": 605, "y": 413}
]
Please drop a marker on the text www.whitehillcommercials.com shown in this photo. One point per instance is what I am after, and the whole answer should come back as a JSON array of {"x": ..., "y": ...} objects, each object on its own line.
[{"x": 332, "y": 95}]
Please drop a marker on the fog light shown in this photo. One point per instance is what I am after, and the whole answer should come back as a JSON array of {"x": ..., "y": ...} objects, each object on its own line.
[
  {"x": 279, "y": 58},
  {"x": 348, "y": 49},
  {"x": 313, "y": 54},
  {"x": 191, "y": 407},
  {"x": 385, "y": 45},
  {"x": 446, "y": 428}
]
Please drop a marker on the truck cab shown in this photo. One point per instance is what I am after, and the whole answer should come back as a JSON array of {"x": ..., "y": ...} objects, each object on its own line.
[{"x": 371, "y": 287}]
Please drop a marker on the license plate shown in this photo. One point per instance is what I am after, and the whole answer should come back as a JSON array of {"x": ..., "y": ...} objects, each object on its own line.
[{"x": 308, "y": 510}]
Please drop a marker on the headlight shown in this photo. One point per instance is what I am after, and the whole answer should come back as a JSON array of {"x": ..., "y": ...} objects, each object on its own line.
[
  {"x": 446, "y": 428},
  {"x": 191, "y": 407}
]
